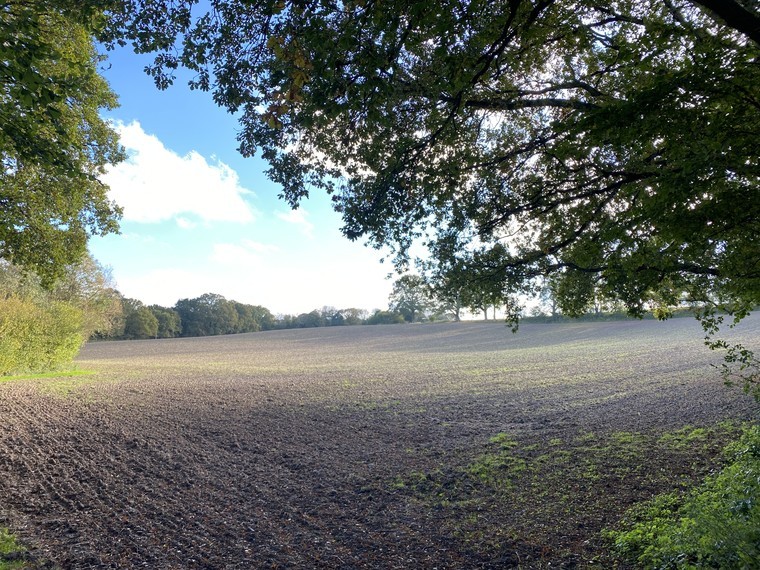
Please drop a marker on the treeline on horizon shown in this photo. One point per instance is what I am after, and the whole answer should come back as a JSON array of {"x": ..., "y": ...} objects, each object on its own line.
[
  {"x": 211, "y": 314},
  {"x": 43, "y": 326}
]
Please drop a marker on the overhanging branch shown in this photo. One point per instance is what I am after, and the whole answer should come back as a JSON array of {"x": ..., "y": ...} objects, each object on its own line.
[
  {"x": 515, "y": 104},
  {"x": 734, "y": 15}
]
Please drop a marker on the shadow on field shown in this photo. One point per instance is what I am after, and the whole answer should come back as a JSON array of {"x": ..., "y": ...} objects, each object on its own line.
[{"x": 431, "y": 446}]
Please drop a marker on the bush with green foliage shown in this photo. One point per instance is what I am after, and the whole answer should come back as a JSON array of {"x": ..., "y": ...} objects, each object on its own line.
[
  {"x": 42, "y": 329},
  {"x": 36, "y": 337},
  {"x": 716, "y": 526}
]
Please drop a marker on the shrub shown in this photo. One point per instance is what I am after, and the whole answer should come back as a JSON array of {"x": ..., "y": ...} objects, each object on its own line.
[
  {"x": 36, "y": 337},
  {"x": 715, "y": 526}
]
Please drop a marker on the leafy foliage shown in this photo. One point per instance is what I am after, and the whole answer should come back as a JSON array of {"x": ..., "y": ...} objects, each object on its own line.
[
  {"x": 739, "y": 363},
  {"x": 717, "y": 526},
  {"x": 43, "y": 329},
  {"x": 612, "y": 143},
  {"x": 410, "y": 297},
  {"x": 12, "y": 553},
  {"x": 385, "y": 318},
  {"x": 140, "y": 324},
  {"x": 53, "y": 142},
  {"x": 168, "y": 321},
  {"x": 36, "y": 338}
]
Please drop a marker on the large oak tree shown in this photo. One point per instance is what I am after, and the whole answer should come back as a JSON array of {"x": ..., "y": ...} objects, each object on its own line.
[{"x": 614, "y": 143}]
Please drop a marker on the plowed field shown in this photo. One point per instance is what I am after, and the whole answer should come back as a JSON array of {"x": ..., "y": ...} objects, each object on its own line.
[{"x": 360, "y": 447}]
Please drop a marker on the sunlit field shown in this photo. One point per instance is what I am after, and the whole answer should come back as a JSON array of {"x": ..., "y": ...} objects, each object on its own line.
[{"x": 416, "y": 446}]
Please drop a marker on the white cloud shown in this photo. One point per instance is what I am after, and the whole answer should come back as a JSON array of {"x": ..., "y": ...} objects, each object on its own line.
[
  {"x": 247, "y": 253},
  {"x": 260, "y": 247},
  {"x": 298, "y": 218},
  {"x": 166, "y": 286},
  {"x": 156, "y": 184},
  {"x": 233, "y": 254},
  {"x": 184, "y": 223}
]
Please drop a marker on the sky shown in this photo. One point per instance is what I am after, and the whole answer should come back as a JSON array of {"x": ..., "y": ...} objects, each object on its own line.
[{"x": 200, "y": 218}]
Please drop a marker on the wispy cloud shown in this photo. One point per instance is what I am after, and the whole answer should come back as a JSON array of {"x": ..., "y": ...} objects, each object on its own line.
[
  {"x": 246, "y": 253},
  {"x": 260, "y": 247},
  {"x": 298, "y": 218},
  {"x": 156, "y": 184},
  {"x": 184, "y": 223}
]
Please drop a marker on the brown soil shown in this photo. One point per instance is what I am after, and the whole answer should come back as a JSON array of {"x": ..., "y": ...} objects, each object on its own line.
[{"x": 285, "y": 449}]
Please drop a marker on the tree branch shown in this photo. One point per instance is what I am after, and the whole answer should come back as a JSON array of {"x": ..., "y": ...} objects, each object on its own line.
[
  {"x": 734, "y": 15},
  {"x": 512, "y": 105}
]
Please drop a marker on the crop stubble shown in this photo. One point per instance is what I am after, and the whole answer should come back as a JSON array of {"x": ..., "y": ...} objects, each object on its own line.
[{"x": 285, "y": 449}]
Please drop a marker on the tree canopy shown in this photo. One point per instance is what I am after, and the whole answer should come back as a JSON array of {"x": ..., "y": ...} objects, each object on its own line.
[
  {"x": 53, "y": 142},
  {"x": 616, "y": 144},
  {"x": 410, "y": 297}
]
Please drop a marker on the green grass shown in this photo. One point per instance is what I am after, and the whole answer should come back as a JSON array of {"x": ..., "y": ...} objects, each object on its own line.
[
  {"x": 44, "y": 375},
  {"x": 11, "y": 552},
  {"x": 59, "y": 383}
]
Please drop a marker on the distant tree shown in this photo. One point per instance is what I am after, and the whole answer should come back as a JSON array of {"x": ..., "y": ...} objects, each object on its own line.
[
  {"x": 469, "y": 278},
  {"x": 548, "y": 297},
  {"x": 331, "y": 316},
  {"x": 336, "y": 320},
  {"x": 209, "y": 314},
  {"x": 283, "y": 321},
  {"x": 386, "y": 318},
  {"x": 169, "y": 322},
  {"x": 410, "y": 297},
  {"x": 354, "y": 316},
  {"x": 447, "y": 279},
  {"x": 141, "y": 324},
  {"x": 309, "y": 320},
  {"x": 247, "y": 318},
  {"x": 264, "y": 317}
]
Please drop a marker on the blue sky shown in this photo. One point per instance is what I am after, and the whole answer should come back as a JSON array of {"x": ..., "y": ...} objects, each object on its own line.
[{"x": 198, "y": 217}]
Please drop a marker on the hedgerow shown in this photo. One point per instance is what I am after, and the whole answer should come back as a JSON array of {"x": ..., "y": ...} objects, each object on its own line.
[{"x": 37, "y": 337}]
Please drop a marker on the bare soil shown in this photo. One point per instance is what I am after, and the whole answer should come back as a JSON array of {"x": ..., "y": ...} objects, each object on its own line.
[{"x": 349, "y": 447}]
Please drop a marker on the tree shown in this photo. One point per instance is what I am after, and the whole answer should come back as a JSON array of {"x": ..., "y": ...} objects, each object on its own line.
[
  {"x": 209, "y": 314},
  {"x": 410, "y": 297},
  {"x": 548, "y": 297},
  {"x": 353, "y": 316},
  {"x": 309, "y": 320},
  {"x": 141, "y": 324},
  {"x": 264, "y": 318},
  {"x": 53, "y": 142},
  {"x": 247, "y": 318},
  {"x": 385, "y": 318},
  {"x": 612, "y": 142},
  {"x": 168, "y": 321},
  {"x": 89, "y": 286}
]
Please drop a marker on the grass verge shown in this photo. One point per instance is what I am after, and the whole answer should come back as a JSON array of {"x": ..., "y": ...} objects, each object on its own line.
[
  {"x": 59, "y": 383},
  {"x": 44, "y": 375}
]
